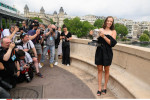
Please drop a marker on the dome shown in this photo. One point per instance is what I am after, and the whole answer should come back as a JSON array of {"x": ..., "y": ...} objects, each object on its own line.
[
  {"x": 26, "y": 7},
  {"x": 55, "y": 13},
  {"x": 42, "y": 10},
  {"x": 61, "y": 10}
]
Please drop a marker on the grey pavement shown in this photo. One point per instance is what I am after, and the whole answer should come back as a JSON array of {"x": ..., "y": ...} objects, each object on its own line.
[{"x": 60, "y": 82}]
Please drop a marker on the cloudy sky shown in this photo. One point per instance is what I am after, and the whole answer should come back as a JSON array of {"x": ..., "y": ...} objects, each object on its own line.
[{"x": 137, "y": 10}]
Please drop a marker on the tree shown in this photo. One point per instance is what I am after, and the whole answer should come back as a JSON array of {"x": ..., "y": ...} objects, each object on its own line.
[
  {"x": 37, "y": 18},
  {"x": 77, "y": 27},
  {"x": 121, "y": 30},
  {"x": 144, "y": 37},
  {"x": 146, "y": 32},
  {"x": 99, "y": 23},
  {"x": 52, "y": 22}
]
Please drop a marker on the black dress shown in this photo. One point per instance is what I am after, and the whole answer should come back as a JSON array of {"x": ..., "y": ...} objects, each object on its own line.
[
  {"x": 104, "y": 53},
  {"x": 66, "y": 48}
]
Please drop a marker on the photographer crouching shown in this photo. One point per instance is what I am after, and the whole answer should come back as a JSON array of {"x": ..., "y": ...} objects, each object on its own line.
[{"x": 27, "y": 45}]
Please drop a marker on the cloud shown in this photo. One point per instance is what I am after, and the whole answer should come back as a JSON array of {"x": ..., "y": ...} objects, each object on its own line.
[{"x": 118, "y": 8}]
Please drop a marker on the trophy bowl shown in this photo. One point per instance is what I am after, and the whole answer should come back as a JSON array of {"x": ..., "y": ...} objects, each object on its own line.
[{"x": 95, "y": 36}]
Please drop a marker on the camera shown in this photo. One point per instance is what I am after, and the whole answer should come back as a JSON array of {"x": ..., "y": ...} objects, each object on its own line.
[
  {"x": 17, "y": 23},
  {"x": 41, "y": 32},
  {"x": 53, "y": 29},
  {"x": 95, "y": 36},
  {"x": 31, "y": 23},
  {"x": 28, "y": 79},
  {"x": 64, "y": 39}
]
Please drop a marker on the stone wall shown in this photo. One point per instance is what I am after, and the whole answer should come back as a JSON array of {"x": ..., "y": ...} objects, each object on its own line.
[{"x": 129, "y": 72}]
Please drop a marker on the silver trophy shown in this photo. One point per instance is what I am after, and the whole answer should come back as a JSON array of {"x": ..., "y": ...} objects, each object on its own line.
[{"x": 95, "y": 36}]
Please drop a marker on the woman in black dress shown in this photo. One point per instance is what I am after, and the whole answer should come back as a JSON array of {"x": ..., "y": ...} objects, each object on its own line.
[
  {"x": 104, "y": 54},
  {"x": 66, "y": 37}
]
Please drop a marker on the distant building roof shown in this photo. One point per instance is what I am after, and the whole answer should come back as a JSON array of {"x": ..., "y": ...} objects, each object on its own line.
[
  {"x": 61, "y": 10},
  {"x": 55, "y": 12},
  {"x": 42, "y": 10},
  {"x": 26, "y": 7}
]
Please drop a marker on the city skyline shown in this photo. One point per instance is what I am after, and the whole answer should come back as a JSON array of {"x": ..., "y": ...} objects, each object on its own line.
[{"x": 128, "y": 9}]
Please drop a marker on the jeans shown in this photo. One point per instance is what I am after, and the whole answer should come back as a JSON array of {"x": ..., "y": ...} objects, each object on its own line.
[{"x": 52, "y": 53}]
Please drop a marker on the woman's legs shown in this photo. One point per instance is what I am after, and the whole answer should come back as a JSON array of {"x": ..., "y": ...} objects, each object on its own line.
[
  {"x": 100, "y": 70},
  {"x": 106, "y": 77}
]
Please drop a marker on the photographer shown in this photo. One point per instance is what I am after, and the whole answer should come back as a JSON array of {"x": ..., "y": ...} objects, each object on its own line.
[
  {"x": 10, "y": 62},
  {"x": 37, "y": 40},
  {"x": 27, "y": 46},
  {"x": 24, "y": 26},
  {"x": 25, "y": 62},
  {"x": 50, "y": 45},
  {"x": 43, "y": 29},
  {"x": 10, "y": 33}
]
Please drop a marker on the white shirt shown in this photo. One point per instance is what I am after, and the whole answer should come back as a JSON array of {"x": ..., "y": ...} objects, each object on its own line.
[
  {"x": 27, "y": 45},
  {"x": 28, "y": 58},
  {"x": 6, "y": 32}
]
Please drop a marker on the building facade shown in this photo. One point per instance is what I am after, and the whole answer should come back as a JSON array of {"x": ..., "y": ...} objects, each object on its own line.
[{"x": 56, "y": 17}]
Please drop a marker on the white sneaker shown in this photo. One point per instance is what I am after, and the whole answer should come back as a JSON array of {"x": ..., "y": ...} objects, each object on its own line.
[
  {"x": 56, "y": 63},
  {"x": 68, "y": 65},
  {"x": 40, "y": 66}
]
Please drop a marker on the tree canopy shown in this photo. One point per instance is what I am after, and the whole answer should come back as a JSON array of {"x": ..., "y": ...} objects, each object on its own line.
[
  {"x": 98, "y": 23},
  {"x": 52, "y": 22},
  {"x": 121, "y": 29},
  {"x": 144, "y": 37},
  {"x": 77, "y": 27},
  {"x": 37, "y": 18},
  {"x": 146, "y": 32}
]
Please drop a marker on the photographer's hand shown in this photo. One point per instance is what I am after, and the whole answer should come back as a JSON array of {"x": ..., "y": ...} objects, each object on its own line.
[
  {"x": 8, "y": 53},
  {"x": 38, "y": 31},
  {"x": 26, "y": 50},
  {"x": 13, "y": 33},
  {"x": 16, "y": 29},
  {"x": 26, "y": 66},
  {"x": 18, "y": 68},
  {"x": 47, "y": 33},
  {"x": 12, "y": 45},
  {"x": 35, "y": 35}
]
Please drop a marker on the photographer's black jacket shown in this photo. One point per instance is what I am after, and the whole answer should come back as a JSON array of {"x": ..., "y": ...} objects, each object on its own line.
[{"x": 9, "y": 66}]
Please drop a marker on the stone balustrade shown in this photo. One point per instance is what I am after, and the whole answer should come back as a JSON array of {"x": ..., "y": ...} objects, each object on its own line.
[{"x": 129, "y": 72}]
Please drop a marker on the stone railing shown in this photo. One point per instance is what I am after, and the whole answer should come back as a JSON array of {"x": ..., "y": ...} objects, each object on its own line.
[{"x": 129, "y": 72}]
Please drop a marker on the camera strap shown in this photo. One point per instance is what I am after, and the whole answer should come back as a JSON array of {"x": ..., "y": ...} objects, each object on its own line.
[
  {"x": 28, "y": 45},
  {"x": 13, "y": 55}
]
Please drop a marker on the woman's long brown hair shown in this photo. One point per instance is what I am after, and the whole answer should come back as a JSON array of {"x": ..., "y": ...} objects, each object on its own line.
[{"x": 112, "y": 26}]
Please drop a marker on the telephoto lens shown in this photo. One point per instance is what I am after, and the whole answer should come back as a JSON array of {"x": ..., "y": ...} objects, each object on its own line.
[{"x": 27, "y": 76}]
